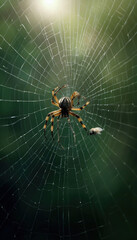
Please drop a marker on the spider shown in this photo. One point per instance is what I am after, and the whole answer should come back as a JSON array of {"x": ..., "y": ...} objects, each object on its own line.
[{"x": 65, "y": 105}]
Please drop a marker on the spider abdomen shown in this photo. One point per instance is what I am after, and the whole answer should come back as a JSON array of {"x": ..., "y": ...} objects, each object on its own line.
[{"x": 65, "y": 105}]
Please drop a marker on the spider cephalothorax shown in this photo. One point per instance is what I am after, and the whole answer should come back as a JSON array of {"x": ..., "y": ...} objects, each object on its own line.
[{"x": 65, "y": 105}]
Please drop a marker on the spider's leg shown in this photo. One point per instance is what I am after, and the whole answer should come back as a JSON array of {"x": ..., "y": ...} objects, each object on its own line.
[
  {"x": 65, "y": 85},
  {"x": 54, "y": 95},
  {"x": 79, "y": 109},
  {"x": 52, "y": 121},
  {"x": 56, "y": 104},
  {"x": 74, "y": 135},
  {"x": 47, "y": 118},
  {"x": 74, "y": 95},
  {"x": 54, "y": 92},
  {"x": 79, "y": 119}
]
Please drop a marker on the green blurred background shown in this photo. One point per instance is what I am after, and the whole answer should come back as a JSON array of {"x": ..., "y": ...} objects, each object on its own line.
[{"x": 88, "y": 189}]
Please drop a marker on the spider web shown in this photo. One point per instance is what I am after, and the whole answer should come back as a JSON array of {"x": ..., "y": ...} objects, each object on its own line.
[{"x": 86, "y": 188}]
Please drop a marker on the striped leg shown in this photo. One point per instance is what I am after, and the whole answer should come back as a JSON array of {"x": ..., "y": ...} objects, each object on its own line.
[
  {"x": 74, "y": 95},
  {"x": 79, "y": 119},
  {"x": 56, "y": 104},
  {"x": 47, "y": 118},
  {"x": 54, "y": 93},
  {"x": 79, "y": 109},
  {"x": 52, "y": 121}
]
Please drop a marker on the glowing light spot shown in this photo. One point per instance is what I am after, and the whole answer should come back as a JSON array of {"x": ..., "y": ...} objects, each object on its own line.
[
  {"x": 46, "y": 8},
  {"x": 49, "y": 2},
  {"x": 50, "y": 5}
]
